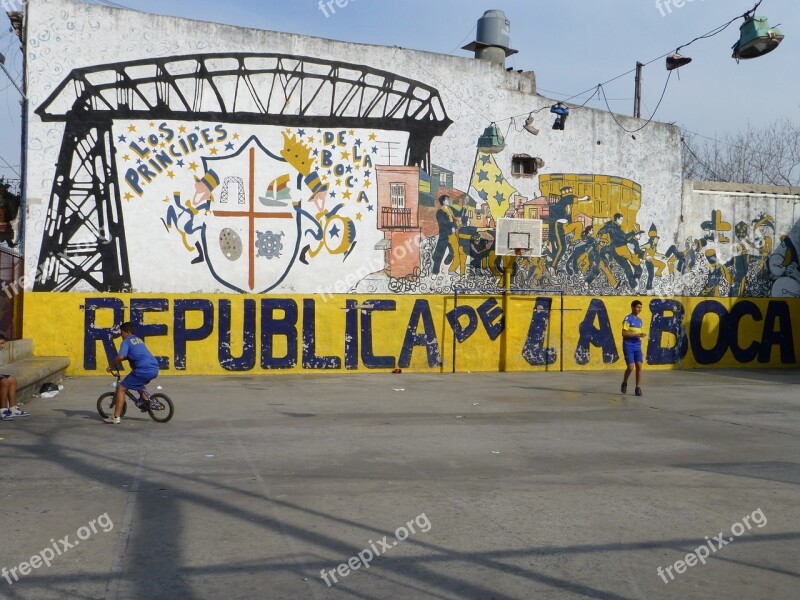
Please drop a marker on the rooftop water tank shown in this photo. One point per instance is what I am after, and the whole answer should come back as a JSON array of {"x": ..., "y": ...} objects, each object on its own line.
[
  {"x": 494, "y": 37},
  {"x": 494, "y": 29}
]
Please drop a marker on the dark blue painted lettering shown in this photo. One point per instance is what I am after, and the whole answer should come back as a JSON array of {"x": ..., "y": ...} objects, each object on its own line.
[
  {"x": 777, "y": 315},
  {"x": 367, "y": 357},
  {"x": 272, "y": 327},
  {"x": 421, "y": 311},
  {"x": 92, "y": 333},
  {"x": 738, "y": 311},
  {"x": 182, "y": 334},
  {"x": 492, "y": 318},
  {"x": 534, "y": 351},
  {"x": 310, "y": 359},
  {"x": 667, "y": 317},
  {"x": 139, "y": 306},
  {"x": 714, "y": 354},
  {"x": 463, "y": 332},
  {"x": 247, "y": 360},
  {"x": 601, "y": 336}
]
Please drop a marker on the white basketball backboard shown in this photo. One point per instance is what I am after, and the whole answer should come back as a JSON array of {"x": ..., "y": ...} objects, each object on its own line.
[{"x": 518, "y": 237}]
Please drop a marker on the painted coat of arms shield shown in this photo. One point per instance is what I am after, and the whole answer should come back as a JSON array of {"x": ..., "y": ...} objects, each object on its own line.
[{"x": 252, "y": 237}]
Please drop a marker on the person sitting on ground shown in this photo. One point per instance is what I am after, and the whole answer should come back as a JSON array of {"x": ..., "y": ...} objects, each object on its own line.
[
  {"x": 144, "y": 368},
  {"x": 8, "y": 394}
]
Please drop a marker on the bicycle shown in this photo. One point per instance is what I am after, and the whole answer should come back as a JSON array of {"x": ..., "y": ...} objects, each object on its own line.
[{"x": 159, "y": 406}]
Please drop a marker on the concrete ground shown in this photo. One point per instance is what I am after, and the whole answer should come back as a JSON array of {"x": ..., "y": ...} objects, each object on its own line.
[{"x": 504, "y": 486}]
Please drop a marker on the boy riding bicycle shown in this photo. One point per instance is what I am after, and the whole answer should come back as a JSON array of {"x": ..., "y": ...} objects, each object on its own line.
[{"x": 144, "y": 368}]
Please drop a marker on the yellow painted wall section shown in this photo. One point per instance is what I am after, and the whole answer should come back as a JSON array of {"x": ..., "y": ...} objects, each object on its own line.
[{"x": 228, "y": 334}]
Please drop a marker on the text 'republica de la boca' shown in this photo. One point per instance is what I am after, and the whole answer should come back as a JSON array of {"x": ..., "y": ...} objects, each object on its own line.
[{"x": 282, "y": 332}]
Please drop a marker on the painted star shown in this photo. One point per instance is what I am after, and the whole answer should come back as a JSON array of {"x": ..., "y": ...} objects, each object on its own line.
[
  {"x": 229, "y": 146},
  {"x": 141, "y": 140},
  {"x": 162, "y": 145},
  {"x": 348, "y": 169},
  {"x": 333, "y": 194},
  {"x": 128, "y": 196},
  {"x": 485, "y": 159},
  {"x": 333, "y": 146},
  {"x": 499, "y": 197},
  {"x": 374, "y": 149},
  {"x": 182, "y": 129},
  {"x": 373, "y": 136},
  {"x": 334, "y": 231},
  {"x": 171, "y": 174},
  {"x": 483, "y": 176},
  {"x": 193, "y": 166},
  {"x": 161, "y": 135},
  {"x": 138, "y": 161},
  {"x": 152, "y": 124},
  {"x": 311, "y": 139},
  {"x": 499, "y": 178},
  {"x": 367, "y": 183},
  {"x": 213, "y": 150},
  {"x": 180, "y": 162},
  {"x": 131, "y": 127},
  {"x": 236, "y": 136},
  {"x": 315, "y": 153},
  {"x": 126, "y": 157},
  {"x": 121, "y": 138},
  {"x": 200, "y": 146},
  {"x": 351, "y": 132},
  {"x": 358, "y": 216},
  {"x": 358, "y": 142},
  {"x": 484, "y": 195},
  {"x": 345, "y": 155},
  {"x": 301, "y": 132},
  {"x": 346, "y": 194},
  {"x": 369, "y": 207},
  {"x": 197, "y": 127},
  {"x": 366, "y": 173}
]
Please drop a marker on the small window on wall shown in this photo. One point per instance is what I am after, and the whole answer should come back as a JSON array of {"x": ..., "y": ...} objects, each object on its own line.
[{"x": 523, "y": 165}]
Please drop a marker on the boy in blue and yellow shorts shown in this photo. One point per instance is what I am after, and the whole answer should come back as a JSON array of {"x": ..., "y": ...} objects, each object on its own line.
[
  {"x": 632, "y": 335},
  {"x": 144, "y": 368}
]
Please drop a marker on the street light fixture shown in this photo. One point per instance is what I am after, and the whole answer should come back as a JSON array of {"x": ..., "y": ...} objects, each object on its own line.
[{"x": 756, "y": 38}]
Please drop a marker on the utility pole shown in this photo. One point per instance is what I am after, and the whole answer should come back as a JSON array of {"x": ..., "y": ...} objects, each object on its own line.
[{"x": 637, "y": 97}]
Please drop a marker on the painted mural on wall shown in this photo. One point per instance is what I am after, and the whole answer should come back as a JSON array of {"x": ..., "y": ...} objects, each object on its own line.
[{"x": 331, "y": 204}]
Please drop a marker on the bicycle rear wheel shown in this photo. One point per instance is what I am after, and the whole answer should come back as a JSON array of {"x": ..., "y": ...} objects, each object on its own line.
[
  {"x": 161, "y": 408},
  {"x": 105, "y": 405}
]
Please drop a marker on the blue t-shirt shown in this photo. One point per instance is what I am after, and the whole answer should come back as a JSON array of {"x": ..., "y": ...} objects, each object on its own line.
[
  {"x": 136, "y": 352},
  {"x": 634, "y": 324}
]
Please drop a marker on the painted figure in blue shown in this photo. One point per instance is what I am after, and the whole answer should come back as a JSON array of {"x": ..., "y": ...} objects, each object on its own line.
[
  {"x": 717, "y": 274},
  {"x": 446, "y": 220},
  {"x": 182, "y": 214},
  {"x": 620, "y": 252},
  {"x": 560, "y": 224},
  {"x": 632, "y": 335}
]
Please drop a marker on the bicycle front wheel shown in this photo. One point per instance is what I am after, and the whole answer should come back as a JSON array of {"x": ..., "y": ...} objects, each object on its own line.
[
  {"x": 161, "y": 408},
  {"x": 105, "y": 405}
]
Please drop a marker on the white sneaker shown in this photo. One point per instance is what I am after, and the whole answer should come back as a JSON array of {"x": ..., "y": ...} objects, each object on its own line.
[
  {"x": 113, "y": 420},
  {"x": 18, "y": 412},
  {"x": 6, "y": 415}
]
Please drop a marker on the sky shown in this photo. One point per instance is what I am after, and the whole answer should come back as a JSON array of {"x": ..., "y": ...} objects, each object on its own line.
[{"x": 571, "y": 46}]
